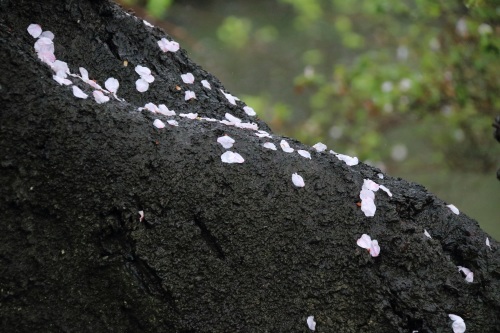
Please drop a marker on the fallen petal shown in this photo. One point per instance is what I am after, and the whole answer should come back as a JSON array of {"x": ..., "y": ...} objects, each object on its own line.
[
  {"x": 231, "y": 157},
  {"x": 368, "y": 207},
  {"x": 47, "y": 34},
  {"x": 230, "y": 98},
  {"x": 168, "y": 46},
  {"x": 252, "y": 126},
  {"x": 381, "y": 176},
  {"x": 286, "y": 147},
  {"x": 366, "y": 194},
  {"x": 189, "y": 95},
  {"x": 469, "y": 276},
  {"x": 142, "y": 71},
  {"x": 298, "y": 180},
  {"x": 249, "y": 111},
  {"x": 172, "y": 122},
  {"x": 112, "y": 84},
  {"x": 427, "y": 234},
  {"x": 141, "y": 85},
  {"x": 458, "y": 325},
  {"x": 158, "y": 123},
  {"x": 269, "y": 145},
  {"x": 206, "y": 84},
  {"x": 146, "y": 23},
  {"x": 61, "y": 80},
  {"x": 35, "y": 30},
  {"x": 370, "y": 185},
  {"x": 226, "y": 141},
  {"x": 162, "y": 108},
  {"x": 304, "y": 153},
  {"x": 386, "y": 190},
  {"x": 187, "y": 78},
  {"x": 189, "y": 115},
  {"x": 151, "y": 107},
  {"x": 374, "y": 248},
  {"x": 232, "y": 118},
  {"x": 320, "y": 147},
  {"x": 84, "y": 73},
  {"x": 100, "y": 97},
  {"x": 311, "y": 323},
  {"x": 488, "y": 243},
  {"x": 364, "y": 241},
  {"x": 350, "y": 161},
  {"x": 79, "y": 93},
  {"x": 453, "y": 209}
]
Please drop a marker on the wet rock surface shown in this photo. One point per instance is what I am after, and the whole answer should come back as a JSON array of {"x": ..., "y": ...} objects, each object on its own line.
[{"x": 222, "y": 247}]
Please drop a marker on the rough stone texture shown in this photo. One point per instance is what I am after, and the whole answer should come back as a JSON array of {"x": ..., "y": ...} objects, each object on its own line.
[{"x": 223, "y": 247}]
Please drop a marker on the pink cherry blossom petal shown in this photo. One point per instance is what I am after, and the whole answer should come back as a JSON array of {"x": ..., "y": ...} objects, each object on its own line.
[
  {"x": 146, "y": 23},
  {"x": 187, "y": 78},
  {"x": 60, "y": 68},
  {"x": 249, "y": 111},
  {"x": 142, "y": 70},
  {"x": 386, "y": 190},
  {"x": 350, "y": 161},
  {"x": 189, "y": 95},
  {"x": 374, "y": 248},
  {"x": 172, "y": 122},
  {"x": 370, "y": 185},
  {"x": 304, "y": 153},
  {"x": 100, "y": 97},
  {"x": 206, "y": 84},
  {"x": 230, "y": 98},
  {"x": 162, "y": 108},
  {"x": 151, "y": 107},
  {"x": 364, "y": 241},
  {"x": 453, "y": 209},
  {"x": 311, "y": 323},
  {"x": 231, "y": 157},
  {"x": 320, "y": 147},
  {"x": 35, "y": 30},
  {"x": 141, "y": 215},
  {"x": 226, "y": 141},
  {"x": 269, "y": 145},
  {"x": 112, "y": 84},
  {"x": 286, "y": 147},
  {"x": 251, "y": 126},
  {"x": 427, "y": 234},
  {"x": 189, "y": 115},
  {"x": 366, "y": 194},
  {"x": 44, "y": 44},
  {"x": 77, "y": 92},
  {"x": 469, "y": 275},
  {"x": 168, "y": 46},
  {"x": 47, "y": 34},
  {"x": 298, "y": 180},
  {"x": 263, "y": 134},
  {"x": 141, "y": 85},
  {"x": 62, "y": 81},
  {"x": 458, "y": 325},
  {"x": 158, "y": 123},
  {"x": 232, "y": 118},
  {"x": 368, "y": 207},
  {"x": 488, "y": 242},
  {"x": 84, "y": 73}
]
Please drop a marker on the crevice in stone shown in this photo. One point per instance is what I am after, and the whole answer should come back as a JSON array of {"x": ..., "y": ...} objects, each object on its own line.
[{"x": 210, "y": 239}]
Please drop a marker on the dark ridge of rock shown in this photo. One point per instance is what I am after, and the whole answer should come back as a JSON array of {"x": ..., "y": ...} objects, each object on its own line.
[{"x": 222, "y": 247}]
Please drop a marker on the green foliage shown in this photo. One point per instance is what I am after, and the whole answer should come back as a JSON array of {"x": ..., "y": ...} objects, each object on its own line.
[{"x": 157, "y": 8}]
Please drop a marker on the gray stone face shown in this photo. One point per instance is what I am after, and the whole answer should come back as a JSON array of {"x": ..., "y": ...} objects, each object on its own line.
[{"x": 222, "y": 247}]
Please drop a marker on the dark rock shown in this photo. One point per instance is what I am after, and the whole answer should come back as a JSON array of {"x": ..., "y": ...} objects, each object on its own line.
[{"x": 222, "y": 247}]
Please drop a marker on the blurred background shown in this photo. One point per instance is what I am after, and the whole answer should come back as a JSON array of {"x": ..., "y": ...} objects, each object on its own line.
[{"x": 409, "y": 86}]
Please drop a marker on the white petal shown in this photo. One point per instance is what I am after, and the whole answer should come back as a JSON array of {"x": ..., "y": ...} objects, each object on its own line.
[
  {"x": 94, "y": 84},
  {"x": 151, "y": 107},
  {"x": 84, "y": 73},
  {"x": 162, "y": 108},
  {"x": 311, "y": 323},
  {"x": 453, "y": 209},
  {"x": 249, "y": 111},
  {"x": 304, "y": 153},
  {"x": 381, "y": 176},
  {"x": 47, "y": 34},
  {"x": 368, "y": 207},
  {"x": 158, "y": 123},
  {"x": 269, "y": 145},
  {"x": 172, "y": 122},
  {"x": 469, "y": 276},
  {"x": 206, "y": 84},
  {"x": 44, "y": 45},
  {"x": 263, "y": 134},
  {"x": 231, "y": 157},
  {"x": 230, "y": 98},
  {"x": 100, "y": 97},
  {"x": 374, "y": 248},
  {"x": 286, "y": 147},
  {"x": 386, "y": 190},
  {"x": 427, "y": 234},
  {"x": 320, "y": 147},
  {"x": 141, "y": 85},
  {"x": 112, "y": 84},
  {"x": 149, "y": 78},
  {"x": 141, "y": 215},
  {"x": 366, "y": 194},
  {"x": 61, "y": 80},
  {"x": 35, "y": 30},
  {"x": 364, "y": 241},
  {"x": 226, "y": 122},
  {"x": 166, "y": 45},
  {"x": 142, "y": 71},
  {"x": 370, "y": 185},
  {"x": 488, "y": 243},
  {"x": 298, "y": 180},
  {"x": 332, "y": 152},
  {"x": 226, "y": 141},
  {"x": 350, "y": 161},
  {"x": 232, "y": 118},
  {"x": 252, "y": 126},
  {"x": 189, "y": 115},
  {"x": 47, "y": 57},
  {"x": 458, "y": 325},
  {"x": 189, "y": 95},
  {"x": 79, "y": 93},
  {"x": 146, "y": 23},
  {"x": 61, "y": 68},
  {"x": 187, "y": 78},
  {"x": 209, "y": 119}
]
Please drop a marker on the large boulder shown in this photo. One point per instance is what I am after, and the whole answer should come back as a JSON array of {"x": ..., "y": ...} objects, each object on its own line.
[{"x": 220, "y": 247}]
